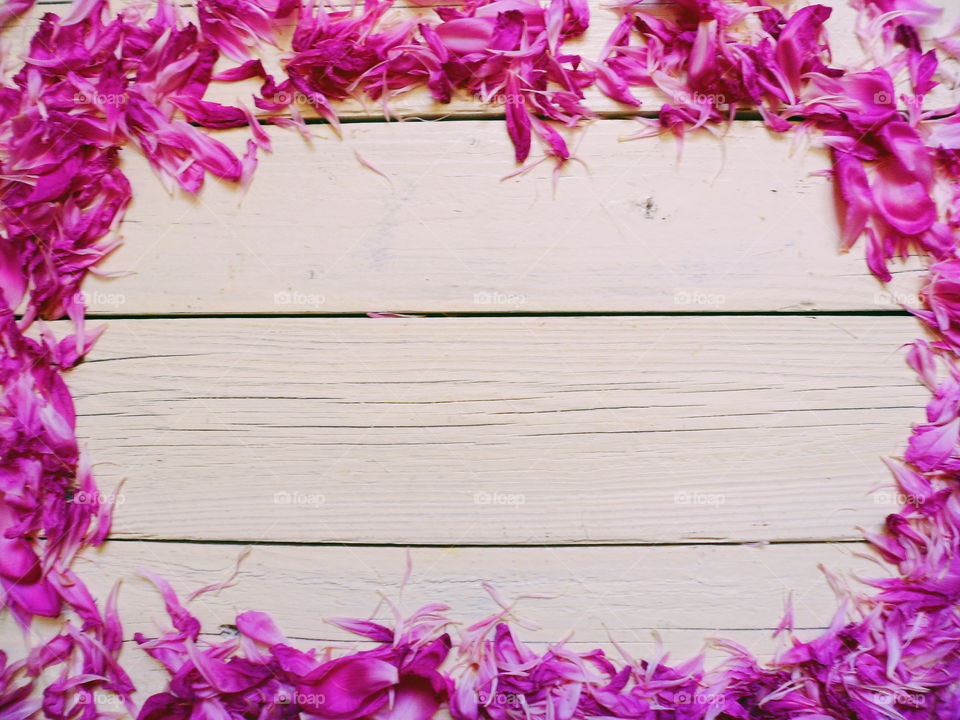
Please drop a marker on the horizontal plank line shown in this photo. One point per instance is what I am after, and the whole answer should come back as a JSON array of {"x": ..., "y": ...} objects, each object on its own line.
[
  {"x": 229, "y": 628},
  {"x": 495, "y": 545},
  {"x": 464, "y": 314},
  {"x": 745, "y": 115}
]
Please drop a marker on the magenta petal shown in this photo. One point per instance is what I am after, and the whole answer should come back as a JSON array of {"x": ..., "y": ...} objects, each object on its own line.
[
  {"x": 13, "y": 283},
  {"x": 39, "y": 598},
  {"x": 910, "y": 482},
  {"x": 854, "y": 193},
  {"x": 905, "y": 143},
  {"x": 183, "y": 621},
  {"x": 234, "y": 676},
  {"x": 414, "y": 699},
  {"x": 921, "y": 358},
  {"x": 260, "y": 627},
  {"x": 703, "y": 53},
  {"x": 554, "y": 141},
  {"x": 12, "y": 9},
  {"x": 347, "y": 687},
  {"x": 293, "y": 661},
  {"x": 466, "y": 35},
  {"x": 612, "y": 85},
  {"x": 18, "y": 561},
  {"x": 372, "y": 630},
  {"x": 945, "y": 133},
  {"x": 797, "y": 46},
  {"x": 518, "y": 121},
  {"x": 877, "y": 255},
  {"x": 902, "y": 199},
  {"x": 931, "y": 445}
]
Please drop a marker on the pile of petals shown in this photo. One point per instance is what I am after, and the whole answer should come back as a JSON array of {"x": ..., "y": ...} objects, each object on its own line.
[
  {"x": 73, "y": 674},
  {"x": 46, "y": 481},
  {"x": 712, "y": 58},
  {"x": 92, "y": 84},
  {"x": 503, "y": 52},
  {"x": 404, "y": 676},
  {"x": 258, "y": 674},
  {"x": 89, "y": 85}
]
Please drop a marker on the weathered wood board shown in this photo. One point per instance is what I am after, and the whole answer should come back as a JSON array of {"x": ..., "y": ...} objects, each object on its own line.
[
  {"x": 736, "y": 224},
  {"x": 498, "y": 430}
]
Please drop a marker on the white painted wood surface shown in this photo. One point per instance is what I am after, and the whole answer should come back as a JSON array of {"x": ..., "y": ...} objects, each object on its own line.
[
  {"x": 738, "y": 224},
  {"x": 493, "y": 430},
  {"x": 506, "y": 438},
  {"x": 630, "y": 590}
]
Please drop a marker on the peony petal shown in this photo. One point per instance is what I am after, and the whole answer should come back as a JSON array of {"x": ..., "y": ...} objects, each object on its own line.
[
  {"x": 902, "y": 199},
  {"x": 931, "y": 445},
  {"x": 260, "y": 627},
  {"x": 466, "y": 35},
  {"x": 348, "y": 687}
]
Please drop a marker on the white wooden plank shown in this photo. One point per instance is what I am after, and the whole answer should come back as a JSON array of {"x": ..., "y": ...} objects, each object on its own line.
[
  {"x": 737, "y": 224},
  {"x": 594, "y": 593},
  {"x": 498, "y": 430}
]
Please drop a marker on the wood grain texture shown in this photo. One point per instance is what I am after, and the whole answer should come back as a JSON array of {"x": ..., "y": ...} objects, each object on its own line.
[
  {"x": 594, "y": 593},
  {"x": 841, "y": 27},
  {"x": 497, "y": 430},
  {"x": 737, "y": 224}
]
